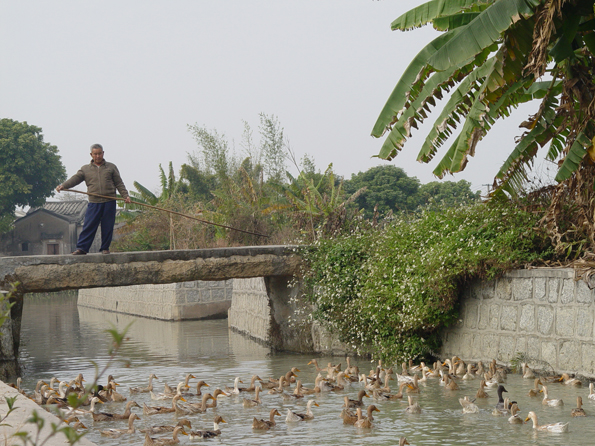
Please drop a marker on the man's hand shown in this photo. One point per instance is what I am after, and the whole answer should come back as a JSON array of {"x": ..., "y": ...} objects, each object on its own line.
[
  {"x": 59, "y": 188},
  {"x": 128, "y": 200}
]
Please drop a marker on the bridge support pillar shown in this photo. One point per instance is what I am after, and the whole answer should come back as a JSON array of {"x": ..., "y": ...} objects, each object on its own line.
[
  {"x": 290, "y": 324},
  {"x": 10, "y": 336}
]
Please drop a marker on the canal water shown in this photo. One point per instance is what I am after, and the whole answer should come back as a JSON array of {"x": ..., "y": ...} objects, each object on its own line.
[{"x": 60, "y": 339}]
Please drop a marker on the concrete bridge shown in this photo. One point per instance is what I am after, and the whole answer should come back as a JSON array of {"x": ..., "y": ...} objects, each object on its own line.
[
  {"x": 277, "y": 264},
  {"x": 67, "y": 272}
]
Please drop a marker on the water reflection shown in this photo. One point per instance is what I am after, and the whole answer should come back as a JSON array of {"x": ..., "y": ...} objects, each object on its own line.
[{"x": 61, "y": 340}]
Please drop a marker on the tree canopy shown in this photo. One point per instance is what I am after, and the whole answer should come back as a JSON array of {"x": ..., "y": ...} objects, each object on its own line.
[
  {"x": 389, "y": 189},
  {"x": 29, "y": 167},
  {"x": 388, "y": 186}
]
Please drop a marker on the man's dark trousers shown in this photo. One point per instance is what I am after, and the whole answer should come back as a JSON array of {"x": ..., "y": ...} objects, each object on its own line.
[{"x": 98, "y": 213}]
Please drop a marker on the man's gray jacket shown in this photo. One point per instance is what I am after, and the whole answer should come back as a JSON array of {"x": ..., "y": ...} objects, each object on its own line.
[{"x": 102, "y": 180}]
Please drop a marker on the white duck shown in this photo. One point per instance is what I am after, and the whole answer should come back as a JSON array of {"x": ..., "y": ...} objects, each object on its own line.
[
  {"x": 295, "y": 417},
  {"x": 591, "y": 391},
  {"x": 167, "y": 395},
  {"x": 468, "y": 405},
  {"x": 547, "y": 401},
  {"x": 553, "y": 427},
  {"x": 235, "y": 390},
  {"x": 527, "y": 372}
]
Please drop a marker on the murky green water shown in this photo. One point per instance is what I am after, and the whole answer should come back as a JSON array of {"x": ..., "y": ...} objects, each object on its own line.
[{"x": 59, "y": 339}]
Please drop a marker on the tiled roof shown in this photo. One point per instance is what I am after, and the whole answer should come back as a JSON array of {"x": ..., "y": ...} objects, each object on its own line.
[{"x": 73, "y": 210}]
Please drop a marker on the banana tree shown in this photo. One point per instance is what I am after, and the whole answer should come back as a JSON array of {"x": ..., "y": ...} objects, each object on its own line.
[
  {"x": 321, "y": 205},
  {"x": 169, "y": 187},
  {"x": 491, "y": 57}
]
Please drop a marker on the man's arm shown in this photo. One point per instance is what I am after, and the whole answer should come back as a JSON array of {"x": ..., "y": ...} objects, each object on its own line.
[
  {"x": 120, "y": 185},
  {"x": 77, "y": 178}
]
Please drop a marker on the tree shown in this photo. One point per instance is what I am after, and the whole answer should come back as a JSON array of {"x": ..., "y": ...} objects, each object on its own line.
[
  {"x": 29, "y": 167},
  {"x": 447, "y": 193},
  {"x": 273, "y": 148},
  {"x": 387, "y": 187},
  {"x": 495, "y": 55}
]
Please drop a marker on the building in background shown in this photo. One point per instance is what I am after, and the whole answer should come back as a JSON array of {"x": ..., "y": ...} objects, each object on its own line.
[{"x": 52, "y": 229}]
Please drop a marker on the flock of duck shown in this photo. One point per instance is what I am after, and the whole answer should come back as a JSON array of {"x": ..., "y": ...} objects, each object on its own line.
[{"x": 188, "y": 398}]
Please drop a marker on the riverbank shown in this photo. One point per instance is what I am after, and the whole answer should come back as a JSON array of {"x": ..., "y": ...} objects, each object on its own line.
[{"x": 17, "y": 421}]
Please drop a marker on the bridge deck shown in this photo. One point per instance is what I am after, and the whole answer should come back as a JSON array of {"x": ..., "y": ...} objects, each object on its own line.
[{"x": 55, "y": 273}]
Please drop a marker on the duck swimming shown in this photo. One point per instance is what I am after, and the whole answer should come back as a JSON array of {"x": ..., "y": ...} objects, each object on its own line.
[
  {"x": 553, "y": 427},
  {"x": 350, "y": 418},
  {"x": 413, "y": 406},
  {"x": 235, "y": 389},
  {"x": 482, "y": 393},
  {"x": 252, "y": 386},
  {"x": 527, "y": 372},
  {"x": 166, "y": 428},
  {"x": 515, "y": 418},
  {"x": 79, "y": 411},
  {"x": 566, "y": 379},
  {"x": 247, "y": 402},
  {"x": 356, "y": 403},
  {"x": 115, "y": 433},
  {"x": 503, "y": 409},
  {"x": 468, "y": 405},
  {"x": 153, "y": 410},
  {"x": 199, "y": 386},
  {"x": 547, "y": 401},
  {"x": 193, "y": 408},
  {"x": 264, "y": 424},
  {"x": 149, "y": 441},
  {"x": 147, "y": 389},
  {"x": 535, "y": 390},
  {"x": 208, "y": 433},
  {"x": 104, "y": 416},
  {"x": 166, "y": 394},
  {"x": 363, "y": 422},
  {"x": 500, "y": 405},
  {"x": 578, "y": 411},
  {"x": 295, "y": 417}
]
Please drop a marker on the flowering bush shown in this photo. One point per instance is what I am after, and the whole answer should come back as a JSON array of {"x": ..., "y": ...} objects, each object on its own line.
[{"x": 388, "y": 291}]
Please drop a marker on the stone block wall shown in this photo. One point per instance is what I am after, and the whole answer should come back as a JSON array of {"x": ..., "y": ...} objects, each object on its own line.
[
  {"x": 541, "y": 312},
  {"x": 172, "y": 301},
  {"x": 250, "y": 312}
]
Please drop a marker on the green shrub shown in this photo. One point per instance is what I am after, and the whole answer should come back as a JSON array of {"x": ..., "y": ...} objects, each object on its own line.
[{"x": 388, "y": 291}]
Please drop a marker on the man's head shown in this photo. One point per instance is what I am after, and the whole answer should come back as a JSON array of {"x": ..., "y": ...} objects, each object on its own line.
[{"x": 97, "y": 153}]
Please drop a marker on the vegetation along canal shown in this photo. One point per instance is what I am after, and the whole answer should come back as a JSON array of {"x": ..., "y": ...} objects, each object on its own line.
[{"x": 62, "y": 340}]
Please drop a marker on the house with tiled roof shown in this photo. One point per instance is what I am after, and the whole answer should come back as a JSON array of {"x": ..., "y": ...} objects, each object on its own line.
[{"x": 51, "y": 229}]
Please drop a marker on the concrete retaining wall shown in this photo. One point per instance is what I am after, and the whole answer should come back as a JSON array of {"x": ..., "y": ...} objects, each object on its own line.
[
  {"x": 173, "y": 301},
  {"x": 543, "y": 313},
  {"x": 250, "y": 312}
]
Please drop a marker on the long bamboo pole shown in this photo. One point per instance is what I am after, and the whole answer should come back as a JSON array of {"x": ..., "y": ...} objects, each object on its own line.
[{"x": 165, "y": 210}]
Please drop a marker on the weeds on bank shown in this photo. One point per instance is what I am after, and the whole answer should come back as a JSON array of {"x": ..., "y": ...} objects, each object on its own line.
[{"x": 389, "y": 290}]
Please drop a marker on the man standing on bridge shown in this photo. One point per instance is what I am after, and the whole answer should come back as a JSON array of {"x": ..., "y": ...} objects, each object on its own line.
[{"x": 102, "y": 178}]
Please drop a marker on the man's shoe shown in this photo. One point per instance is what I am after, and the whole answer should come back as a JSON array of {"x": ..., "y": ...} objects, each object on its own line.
[
  {"x": 79, "y": 252},
  {"x": 105, "y": 251}
]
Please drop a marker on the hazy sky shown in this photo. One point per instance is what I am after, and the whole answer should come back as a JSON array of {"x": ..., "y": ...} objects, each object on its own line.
[{"x": 133, "y": 74}]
